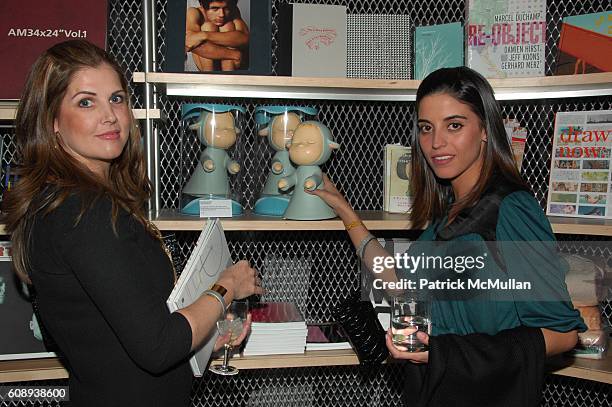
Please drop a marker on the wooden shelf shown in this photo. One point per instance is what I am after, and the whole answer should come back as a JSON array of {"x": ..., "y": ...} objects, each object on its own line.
[
  {"x": 31, "y": 369},
  {"x": 51, "y": 368},
  {"x": 581, "y": 226},
  {"x": 598, "y": 370},
  {"x": 345, "y": 357},
  {"x": 285, "y": 87},
  {"x": 8, "y": 109},
  {"x": 170, "y": 219}
]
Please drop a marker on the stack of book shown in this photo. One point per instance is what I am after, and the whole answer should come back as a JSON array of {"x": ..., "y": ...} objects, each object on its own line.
[{"x": 278, "y": 328}]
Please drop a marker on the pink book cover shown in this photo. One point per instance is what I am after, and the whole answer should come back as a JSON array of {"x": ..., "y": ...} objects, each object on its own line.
[
  {"x": 28, "y": 29},
  {"x": 276, "y": 312}
]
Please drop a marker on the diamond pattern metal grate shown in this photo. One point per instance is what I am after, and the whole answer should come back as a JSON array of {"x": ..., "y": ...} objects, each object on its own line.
[
  {"x": 379, "y": 386},
  {"x": 125, "y": 41}
]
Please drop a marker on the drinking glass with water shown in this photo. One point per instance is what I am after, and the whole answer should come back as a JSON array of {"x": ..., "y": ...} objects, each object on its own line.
[{"x": 410, "y": 314}]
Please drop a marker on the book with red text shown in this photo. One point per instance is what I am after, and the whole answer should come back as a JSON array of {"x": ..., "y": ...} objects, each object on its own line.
[
  {"x": 506, "y": 39},
  {"x": 580, "y": 183}
]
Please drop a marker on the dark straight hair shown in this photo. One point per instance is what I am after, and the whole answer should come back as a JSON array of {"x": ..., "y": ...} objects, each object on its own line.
[
  {"x": 433, "y": 195},
  {"x": 206, "y": 3}
]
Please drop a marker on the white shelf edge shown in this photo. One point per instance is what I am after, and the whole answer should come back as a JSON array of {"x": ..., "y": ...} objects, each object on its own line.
[
  {"x": 367, "y": 90},
  {"x": 290, "y": 92}
]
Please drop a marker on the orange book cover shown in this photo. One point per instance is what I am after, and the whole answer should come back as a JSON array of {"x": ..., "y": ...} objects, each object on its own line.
[{"x": 585, "y": 44}]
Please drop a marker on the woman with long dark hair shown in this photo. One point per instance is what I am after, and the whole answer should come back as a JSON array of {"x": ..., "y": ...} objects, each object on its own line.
[
  {"x": 77, "y": 223},
  {"x": 466, "y": 187}
]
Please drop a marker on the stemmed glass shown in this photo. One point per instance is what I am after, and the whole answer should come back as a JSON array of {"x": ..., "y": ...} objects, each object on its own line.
[{"x": 232, "y": 325}]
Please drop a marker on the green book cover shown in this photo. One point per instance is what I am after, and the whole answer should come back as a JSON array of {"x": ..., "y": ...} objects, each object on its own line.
[{"x": 437, "y": 46}]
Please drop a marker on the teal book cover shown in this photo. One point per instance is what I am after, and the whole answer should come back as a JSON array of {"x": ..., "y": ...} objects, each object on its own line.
[{"x": 437, "y": 46}]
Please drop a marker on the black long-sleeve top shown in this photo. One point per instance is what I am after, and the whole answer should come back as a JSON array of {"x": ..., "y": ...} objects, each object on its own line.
[{"x": 102, "y": 297}]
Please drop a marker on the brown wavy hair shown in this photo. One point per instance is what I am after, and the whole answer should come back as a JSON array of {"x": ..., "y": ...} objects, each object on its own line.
[
  {"x": 47, "y": 173},
  {"x": 433, "y": 196}
]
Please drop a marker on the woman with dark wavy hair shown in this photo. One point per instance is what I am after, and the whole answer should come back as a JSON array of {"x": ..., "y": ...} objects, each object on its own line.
[
  {"x": 466, "y": 188},
  {"x": 80, "y": 236}
]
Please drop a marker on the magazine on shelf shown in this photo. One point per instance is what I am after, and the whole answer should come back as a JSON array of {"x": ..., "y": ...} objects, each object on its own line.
[
  {"x": 379, "y": 46},
  {"x": 207, "y": 260},
  {"x": 506, "y": 39},
  {"x": 312, "y": 40},
  {"x": 585, "y": 44},
  {"x": 437, "y": 46},
  {"x": 396, "y": 196},
  {"x": 239, "y": 42},
  {"x": 517, "y": 137},
  {"x": 580, "y": 183}
]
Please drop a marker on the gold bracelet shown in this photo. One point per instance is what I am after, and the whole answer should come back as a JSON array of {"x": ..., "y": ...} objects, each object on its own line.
[{"x": 353, "y": 224}]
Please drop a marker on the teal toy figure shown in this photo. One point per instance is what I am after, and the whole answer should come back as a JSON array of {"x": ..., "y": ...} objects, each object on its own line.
[
  {"x": 311, "y": 146},
  {"x": 277, "y": 124},
  {"x": 217, "y": 130}
]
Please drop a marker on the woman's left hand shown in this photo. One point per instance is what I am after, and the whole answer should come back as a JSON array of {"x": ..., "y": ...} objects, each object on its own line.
[
  {"x": 222, "y": 340},
  {"x": 414, "y": 357}
]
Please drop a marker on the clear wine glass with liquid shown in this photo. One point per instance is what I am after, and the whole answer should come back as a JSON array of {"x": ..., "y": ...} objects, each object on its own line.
[{"x": 232, "y": 325}]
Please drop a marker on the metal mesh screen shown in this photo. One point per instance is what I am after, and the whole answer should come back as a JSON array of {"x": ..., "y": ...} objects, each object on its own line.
[
  {"x": 125, "y": 41},
  {"x": 8, "y": 153},
  {"x": 340, "y": 386}
]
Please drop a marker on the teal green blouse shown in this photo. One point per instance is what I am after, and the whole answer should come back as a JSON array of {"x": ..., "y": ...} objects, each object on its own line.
[{"x": 520, "y": 219}]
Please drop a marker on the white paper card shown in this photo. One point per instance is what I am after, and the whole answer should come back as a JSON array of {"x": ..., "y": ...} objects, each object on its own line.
[
  {"x": 319, "y": 41},
  {"x": 215, "y": 208}
]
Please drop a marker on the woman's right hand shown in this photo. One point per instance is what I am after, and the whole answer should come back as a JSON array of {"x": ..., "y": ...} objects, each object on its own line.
[
  {"x": 242, "y": 279},
  {"x": 330, "y": 194}
]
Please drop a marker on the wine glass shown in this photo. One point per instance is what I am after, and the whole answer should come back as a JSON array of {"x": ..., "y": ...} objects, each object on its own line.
[{"x": 232, "y": 325}]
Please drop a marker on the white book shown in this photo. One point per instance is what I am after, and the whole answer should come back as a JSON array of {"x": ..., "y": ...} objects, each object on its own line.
[
  {"x": 319, "y": 40},
  {"x": 207, "y": 260},
  {"x": 328, "y": 346}
]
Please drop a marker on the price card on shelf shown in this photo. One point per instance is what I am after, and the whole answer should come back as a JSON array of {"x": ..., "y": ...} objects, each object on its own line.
[{"x": 215, "y": 208}]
